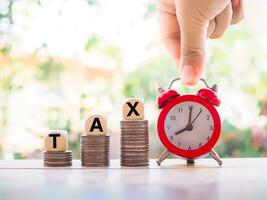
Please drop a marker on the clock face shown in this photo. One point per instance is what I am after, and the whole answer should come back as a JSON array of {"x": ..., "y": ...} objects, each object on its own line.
[
  {"x": 189, "y": 125},
  {"x": 185, "y": 136}
]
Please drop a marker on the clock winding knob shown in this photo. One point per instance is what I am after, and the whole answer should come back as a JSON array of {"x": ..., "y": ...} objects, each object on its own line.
[{"x": 214, "y": 88}]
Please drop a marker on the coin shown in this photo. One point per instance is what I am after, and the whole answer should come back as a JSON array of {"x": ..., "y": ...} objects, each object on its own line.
[
  {"x": 133, "y": 123},
  {"x": 57, "y": 165},
  {"x": 135, "y": 165},
  {"x": 134, "y": 130},
  {"x": 57, "y": 153},
  {"x": 95, "y": 150},
  {"x": 134, "y": 142},
  {"x": 134, "y": 160},
  {"x": 136, "y": 150},
  {"x": 57, "y": 159}
]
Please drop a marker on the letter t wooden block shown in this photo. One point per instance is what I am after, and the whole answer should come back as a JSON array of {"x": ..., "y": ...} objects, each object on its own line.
[
  {"x": 56, "y": 140},
  {"x": 133, "y": 109}
]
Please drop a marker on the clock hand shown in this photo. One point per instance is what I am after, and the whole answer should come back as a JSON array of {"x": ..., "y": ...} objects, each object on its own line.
[
  {"x": 188, "y": 127},
  {"x": 190, "y": 114},
  {"x": 196, "y": 117},
  {"x": 182, "y": 130}
]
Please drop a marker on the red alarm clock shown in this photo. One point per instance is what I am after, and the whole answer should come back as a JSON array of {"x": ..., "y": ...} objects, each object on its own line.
[{"x": 189, "y": 125}]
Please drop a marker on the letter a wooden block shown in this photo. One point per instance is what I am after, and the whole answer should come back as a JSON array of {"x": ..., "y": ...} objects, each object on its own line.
[
  {"x": 133, "y": 109},
  {"x": 56, "y": 140},
  {"x": 96, "y": 125}
]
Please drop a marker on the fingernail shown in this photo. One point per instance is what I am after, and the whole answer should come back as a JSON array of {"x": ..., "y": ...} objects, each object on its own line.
[{"x": 188, "y": 74}]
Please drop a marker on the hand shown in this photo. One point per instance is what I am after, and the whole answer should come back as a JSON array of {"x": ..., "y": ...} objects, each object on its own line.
[{"x": 185, "y": 25}]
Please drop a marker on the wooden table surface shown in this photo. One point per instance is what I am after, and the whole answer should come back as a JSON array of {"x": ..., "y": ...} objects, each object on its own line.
[{"x": 239, "y": 179}]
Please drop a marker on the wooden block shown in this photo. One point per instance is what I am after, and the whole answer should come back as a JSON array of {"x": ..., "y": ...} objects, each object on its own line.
[
  {"x": 133, "y": 109},
  {"x": 96, "y": 125},
  {"x": 56, "y": 140}
]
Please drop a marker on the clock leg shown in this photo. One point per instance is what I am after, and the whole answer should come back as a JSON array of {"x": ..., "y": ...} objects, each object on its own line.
[
  {"x": 163, "y": 156},
  {"x": 190, "y": 162},
  {"x": 216, "y": 157}
]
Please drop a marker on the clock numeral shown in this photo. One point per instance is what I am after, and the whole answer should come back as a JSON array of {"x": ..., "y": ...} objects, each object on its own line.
[
  {"x": 208, "y": 117},
  {"x": 189, "y": 148},
  {"x": 200, "y": 109},
  {"x": 208, "y": 138},
  {"x": 180, "y": 110},
  {"x": 211, "y": 128},
  {"x": 173, "y": 117},
  {"x": 168, "y": 127},
  {"x": 200, "y": 144},
  {"x": 190, "y": 106},
  {"x": 179, "y": 144},
  {"x": 171, "y": 138}
]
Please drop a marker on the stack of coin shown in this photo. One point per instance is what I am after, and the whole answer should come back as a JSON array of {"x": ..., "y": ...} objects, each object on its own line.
[
  {"x": 134, "y": 143},
  {"x": 95, "y": 150},
  {"x": 57, "y": 158}
]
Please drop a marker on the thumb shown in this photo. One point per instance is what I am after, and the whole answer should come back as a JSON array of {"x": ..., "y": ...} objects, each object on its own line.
[{"x": 193, "y": 31}]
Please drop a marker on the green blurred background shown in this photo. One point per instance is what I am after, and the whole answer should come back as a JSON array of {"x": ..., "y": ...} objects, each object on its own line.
[{"x": 61, "y": 60}]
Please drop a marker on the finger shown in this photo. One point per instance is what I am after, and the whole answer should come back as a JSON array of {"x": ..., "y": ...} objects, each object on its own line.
[
  {"x": 222, "y": 21},
  {"x": 193, "y": 37},
  {"x": 211, "y": 27},
  {"x": 166, "y": 6},
  {"x": 238, "y": 12},
  {"x": 170, "y": 32}
]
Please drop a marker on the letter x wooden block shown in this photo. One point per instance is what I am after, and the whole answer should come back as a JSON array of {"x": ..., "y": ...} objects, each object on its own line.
[{"x": 133, "y": 109}]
